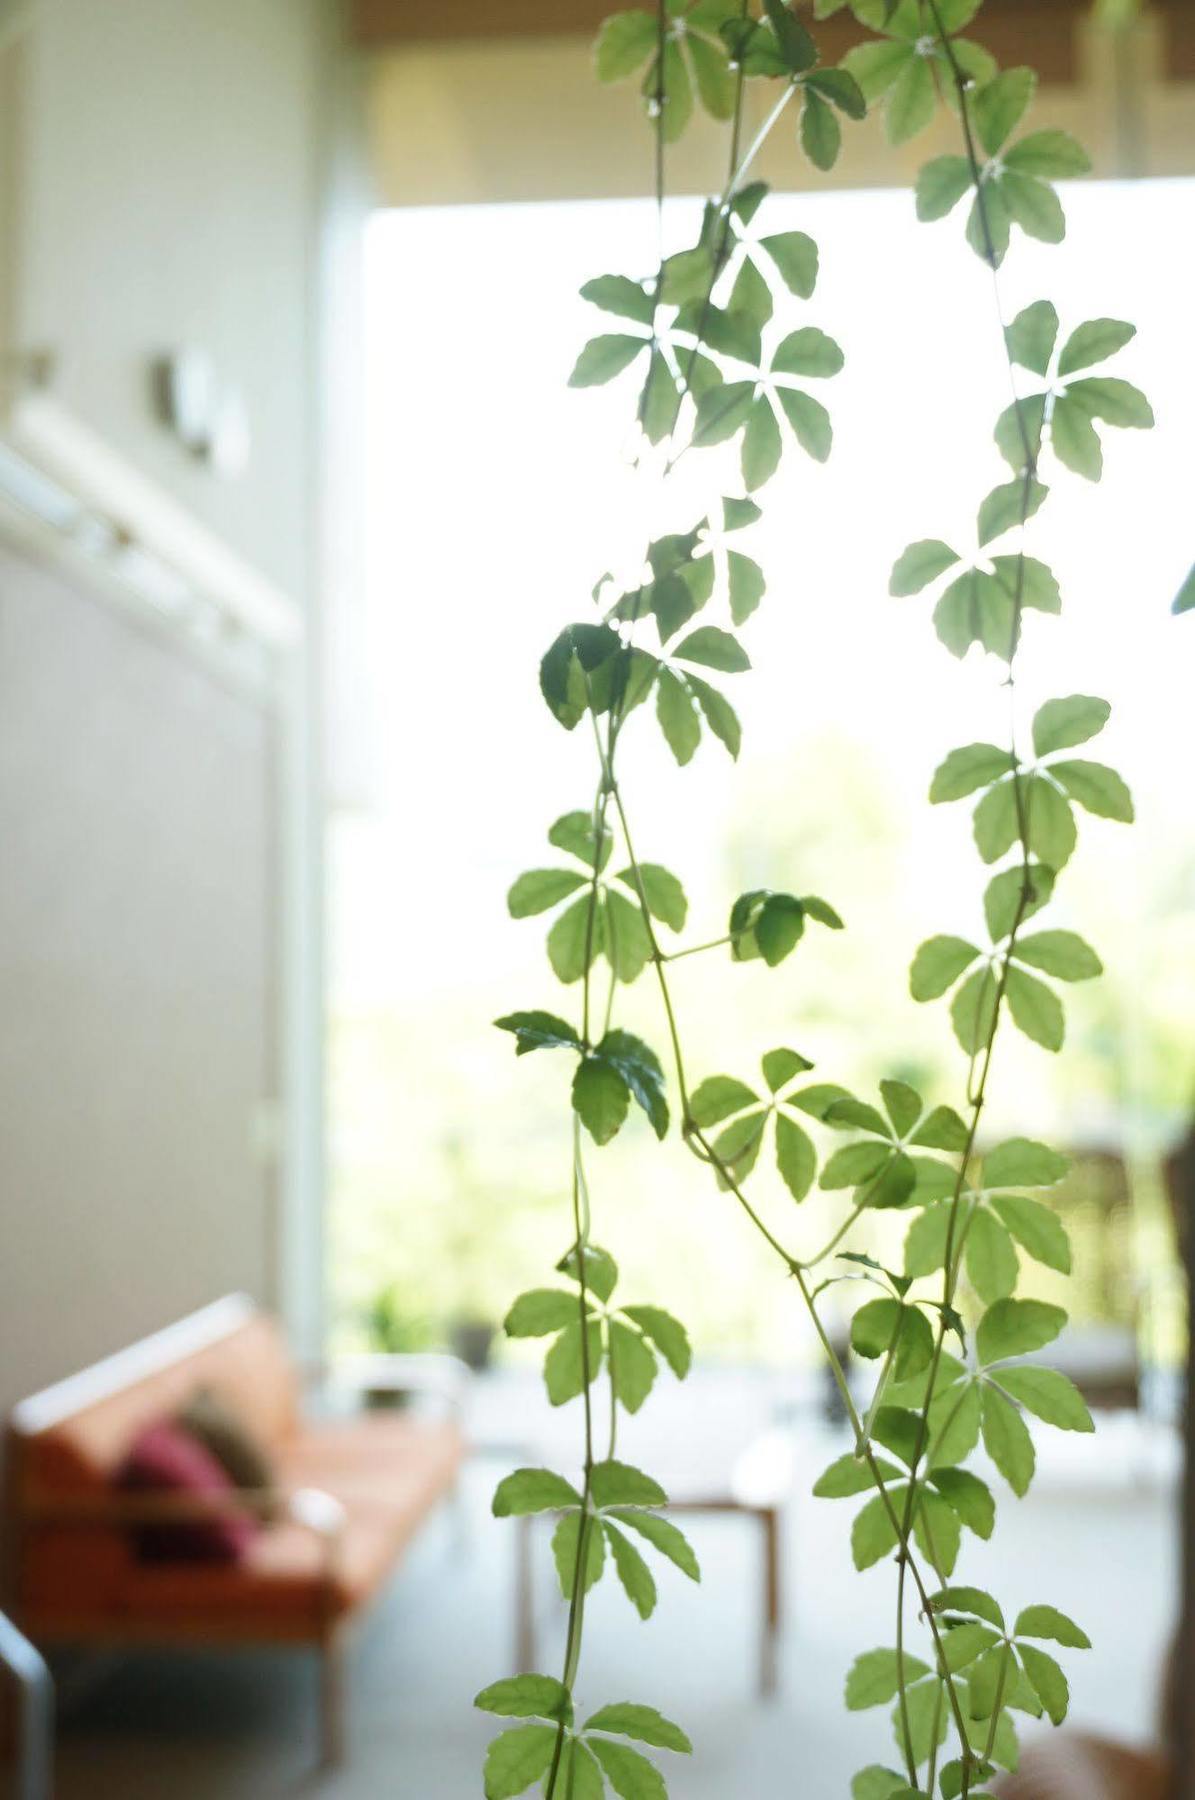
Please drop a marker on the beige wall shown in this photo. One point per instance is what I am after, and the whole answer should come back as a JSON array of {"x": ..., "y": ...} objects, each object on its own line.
[
  {"x": 169, "y": 168},
  {"x": 166, "y": 173}
]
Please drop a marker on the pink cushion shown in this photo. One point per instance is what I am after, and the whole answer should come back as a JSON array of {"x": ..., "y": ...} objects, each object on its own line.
[{"x": 166, "y": 1459}]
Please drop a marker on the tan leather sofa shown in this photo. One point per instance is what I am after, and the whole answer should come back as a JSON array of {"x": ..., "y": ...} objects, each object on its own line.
[{"x": 351, "y": 1494}]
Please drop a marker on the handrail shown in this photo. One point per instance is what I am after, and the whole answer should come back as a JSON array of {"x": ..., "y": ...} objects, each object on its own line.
[{"x": 36, "y": 1712}]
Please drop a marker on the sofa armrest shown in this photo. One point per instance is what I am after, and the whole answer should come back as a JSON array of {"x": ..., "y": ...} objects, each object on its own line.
[{"x": 439, "y": 1377}]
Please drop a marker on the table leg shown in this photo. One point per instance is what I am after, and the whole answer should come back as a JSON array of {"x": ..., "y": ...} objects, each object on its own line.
[{"x": 769, "y": 1519}]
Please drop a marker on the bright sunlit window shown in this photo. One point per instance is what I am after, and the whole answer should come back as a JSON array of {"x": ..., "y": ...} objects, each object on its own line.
[{"x": 494, "y": 495}]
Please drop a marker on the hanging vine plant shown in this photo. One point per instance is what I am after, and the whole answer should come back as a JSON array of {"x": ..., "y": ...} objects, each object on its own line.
[{"x": 717, "y": 359}]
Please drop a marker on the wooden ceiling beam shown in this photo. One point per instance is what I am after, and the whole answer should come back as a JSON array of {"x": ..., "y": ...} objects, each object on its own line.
[{"x": 1040, "y": 32}]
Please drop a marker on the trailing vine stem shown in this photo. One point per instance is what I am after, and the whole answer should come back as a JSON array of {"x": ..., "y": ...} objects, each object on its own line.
[{"x": 615, "y": 673}]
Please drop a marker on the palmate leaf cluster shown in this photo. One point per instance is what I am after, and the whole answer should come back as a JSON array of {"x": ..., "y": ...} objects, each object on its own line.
[{"x": 720, "y": 353}]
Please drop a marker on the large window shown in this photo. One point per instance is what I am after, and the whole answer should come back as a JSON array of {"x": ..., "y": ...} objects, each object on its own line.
[{"x": 497, "y": 497}]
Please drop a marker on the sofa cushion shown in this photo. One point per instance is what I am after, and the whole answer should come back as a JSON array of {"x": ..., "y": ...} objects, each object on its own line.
[
  {"x": 165, "y": 1460},
  {"x": 222, "y": 1429}
]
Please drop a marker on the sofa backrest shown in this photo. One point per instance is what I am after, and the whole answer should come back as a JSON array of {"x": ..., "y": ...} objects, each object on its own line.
[{"x": 73, "y": 1436}]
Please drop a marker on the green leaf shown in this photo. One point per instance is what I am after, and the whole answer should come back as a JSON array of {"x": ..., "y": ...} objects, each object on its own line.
[
  {"x": 963, "y": 1643},
  {"x": 796, "y": 1157},
  {"x": 538, "y": 1031},
  {"x": 714, "y": 649},
  {"x": 1184, "y": 600},
  {"x": 720, "y": 715},
  {"x": 1036, "y": 1009},
  {"x": 762, "y": 445},
  {"x": 746, "y": 584},
  {"x": 928, "y": 1719},
  {"x": 991, "y": 1260},
  {"x": 912, "y": 102},
  {"x": 997, "y": 821},
  {"x": 975, "y": 609},
  {"x": 576, "y": 939},
  {"x": 541, "y": 1312},
  {"x": 875, "y": 1678},
  {"x": 532, "y": 1491},
  {"x": 538, "y": 889},
  {"x": 666, "y": 1333},
  {"x": 1049, "y": 1395},
  {"x": 1032, "y": 579},
  {"x": 605, "y": 357},
  {"x": 615, "y": 1483},
  {"x": 1016, "y": 1328},
  {"x": 1020, "y": 1162},
  {"x": 925, "y": 1244},
  {"x": 1007, "y": 1441},
  {"x": 628, "y": 1773},
  {"x": 715, "y": 83},
  {"x": 999, "y": 107},
  {"x": 517, "y": 1758},
  {"x": 633, "y": 1368},
  {"x": 738, "y": 513},
  {"x": 973, "y": 1010},
  {"x": 678, "y": 717},
  {"x": 823, "y": 912},
  {"x": 580, "y": 1777},
  {"x": 941, "y": 185},
  {"x": 619, "y": 294},
  {"x": 989, "y": 224},
  {"x": 721, "y": 412},
  {"x": 1048, "y": 1622},
  {"x": 678, "y": 94},
  {"x": 738, "y": 1147},
  {"x": 1075, "y": 439},
  {"x": 1052, "y": 830},
  {"x": 942, "y": 1129},
  {"x": 566, "y": 1541},
  {"x": 876, "y": 1783},
  {"x": 1063, "y": 954},
  {"x": 643, "y": 1723},
  {"x": 1018, "y": 436},
  {"x": 686, "y": 276},
  {"x": 1097, "y": 788},
  {"x": 637, "y": 1579},
  {"x": 1006, "y": 506},
  {"x": 903, "y": 1105},
  {"x": 778, "y": 928},
  {"x": 954, "y": 1425},
  {"x": 717, "y": 1098},
  {"x": 1048, "y": 1680},
  {"x": 873, "y": 1534},
  {"x": 663, "y": 1536},
  {"x": 782, "y": 1066},
  {"x": 821, "y": 133},
  {"x": 1094, "y": 342},
  {"x": 970, "y": 1497},
  {"x": 969, "y": 1600},
  {"x": 920, "y": 564},
  {"x": 565, "y": 1363},
  {"x": 1034, "y": 206},
  {"x": 574, "y": 832},
  {"x": 855, "y": 1164},
  {"x": 600, "y": 1269},
  {"x": 640, "y": 1069},
  {"x": 627, "y": 942},
  {"x": 810, "y": 422},
  {"x": 849, "y": 1113},
  {"x": 625, "y": 41},
  {"x": 663, "y": 892},
  {"x": 601, "y": 1098},
  {"x": 1034, "y": 332},
  {"x": 1038, "y": 1230},
  {"x": 874, "y": 1328},
  {"x": 796, "y": 256},
  {"x": 526, "y": 1697},
  {"x": 1116, "y": 402},
  {"x": 851, "y": 1475},
  {"x": 807, "y": 352},
  {"x": 1056, "y": 155},
  {"x": 973, "y": 766},
  {"x": 1006, "y": 902},
  {"x": 938, "y": 964},
  {"x": 1059, "y": 724}
]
